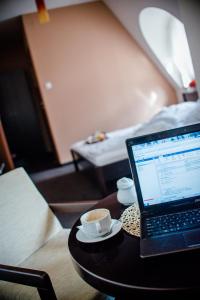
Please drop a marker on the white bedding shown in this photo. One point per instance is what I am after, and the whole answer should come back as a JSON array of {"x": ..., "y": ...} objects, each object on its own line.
[{"x": 113, "y": 149}]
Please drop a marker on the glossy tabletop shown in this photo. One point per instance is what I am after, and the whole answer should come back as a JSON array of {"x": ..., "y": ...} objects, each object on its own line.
[{"x": 114, "y": 266}]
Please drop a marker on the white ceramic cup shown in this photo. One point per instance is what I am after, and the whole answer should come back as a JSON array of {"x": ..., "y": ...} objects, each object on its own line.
[{"x": 96, "y": 222}]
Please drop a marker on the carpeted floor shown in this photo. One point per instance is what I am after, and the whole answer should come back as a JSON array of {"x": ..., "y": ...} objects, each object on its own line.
[{"x": 70, "y": 187}]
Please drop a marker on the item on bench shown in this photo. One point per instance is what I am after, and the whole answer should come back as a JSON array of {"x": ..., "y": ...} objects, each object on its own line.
[{"x": 98, "y": 136}]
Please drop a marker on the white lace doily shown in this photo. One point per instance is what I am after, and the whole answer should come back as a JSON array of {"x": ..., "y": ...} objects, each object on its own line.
[{"x": 130, "y": 219}]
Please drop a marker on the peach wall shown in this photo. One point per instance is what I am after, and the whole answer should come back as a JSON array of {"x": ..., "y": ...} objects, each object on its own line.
[{"x": 101, "y": 78}]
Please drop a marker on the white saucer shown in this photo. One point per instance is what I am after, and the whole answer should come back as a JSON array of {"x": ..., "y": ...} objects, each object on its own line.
[{"x": 114, "y": 230}]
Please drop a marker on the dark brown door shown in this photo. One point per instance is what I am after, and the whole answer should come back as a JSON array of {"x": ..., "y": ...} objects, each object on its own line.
[{"x": 19, "y": 115}]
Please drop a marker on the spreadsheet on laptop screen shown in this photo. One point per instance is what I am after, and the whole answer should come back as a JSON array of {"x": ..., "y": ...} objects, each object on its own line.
[{"x": 169, "y": 169}]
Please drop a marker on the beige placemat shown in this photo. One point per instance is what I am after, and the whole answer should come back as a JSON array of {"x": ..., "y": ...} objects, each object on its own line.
[{"x": 130, "y": 219}]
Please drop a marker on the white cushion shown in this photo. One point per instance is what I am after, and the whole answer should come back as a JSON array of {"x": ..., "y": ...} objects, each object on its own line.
[
  {"x": 55, "y": 259},
  {"x": 174, "y": 116},
  {"x": 26, "y": 222}
]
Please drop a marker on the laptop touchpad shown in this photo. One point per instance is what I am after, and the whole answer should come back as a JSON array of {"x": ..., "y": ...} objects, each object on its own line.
[{"x": 192, "y": 238}]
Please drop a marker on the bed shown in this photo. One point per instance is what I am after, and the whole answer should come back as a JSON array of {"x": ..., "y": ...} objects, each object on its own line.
[{"x": 109, "y": 158}]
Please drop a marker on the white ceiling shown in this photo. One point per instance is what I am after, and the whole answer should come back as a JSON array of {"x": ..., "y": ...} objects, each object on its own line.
[{"x": 14, "y": 8}]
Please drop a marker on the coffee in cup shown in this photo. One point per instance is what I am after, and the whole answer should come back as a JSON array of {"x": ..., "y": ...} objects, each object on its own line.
[{"x": 96, "y": 223}]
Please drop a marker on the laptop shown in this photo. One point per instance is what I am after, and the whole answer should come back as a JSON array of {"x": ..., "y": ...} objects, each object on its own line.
[{"x": 166, "y": 170}]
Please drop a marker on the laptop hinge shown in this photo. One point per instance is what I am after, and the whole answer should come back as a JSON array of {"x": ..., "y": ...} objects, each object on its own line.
[{"x": 171, "y": 208}]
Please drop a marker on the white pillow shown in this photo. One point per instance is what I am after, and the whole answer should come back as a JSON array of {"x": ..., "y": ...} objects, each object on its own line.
[{"x": 173, "y": 116}]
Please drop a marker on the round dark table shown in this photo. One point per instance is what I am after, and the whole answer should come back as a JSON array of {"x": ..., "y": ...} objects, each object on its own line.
[{"x": 115, "y": 268}]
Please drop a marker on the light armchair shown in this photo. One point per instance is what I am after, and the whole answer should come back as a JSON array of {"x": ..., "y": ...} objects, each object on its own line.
[{"x": 34, "y": 257}]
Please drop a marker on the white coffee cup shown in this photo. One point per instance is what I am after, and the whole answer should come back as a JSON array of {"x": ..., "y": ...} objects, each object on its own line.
[{"x": 96, "y": 222}]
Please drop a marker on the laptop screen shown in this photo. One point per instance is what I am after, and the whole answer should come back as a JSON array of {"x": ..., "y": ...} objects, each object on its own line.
[{"x": 168, "y": 169}]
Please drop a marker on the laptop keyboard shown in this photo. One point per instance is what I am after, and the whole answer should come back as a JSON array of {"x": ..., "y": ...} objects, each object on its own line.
[{"x": 175, "y": 222}]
